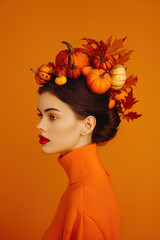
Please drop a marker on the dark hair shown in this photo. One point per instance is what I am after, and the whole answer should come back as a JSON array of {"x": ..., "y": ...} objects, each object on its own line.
[{"x": 84, "y": 103}]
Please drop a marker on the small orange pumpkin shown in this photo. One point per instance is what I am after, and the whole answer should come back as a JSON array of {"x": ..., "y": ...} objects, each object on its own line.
[
  {"x": 120, "y": 95},
  {"x": 104, "y": 62},
  {"x": 79, "y": 55},
  {"x": 43, "y": 74},
  {"x": 74, "y": 71},
  {"x": 99, "y": 81},
  {"x": 61, "y": 79},
  {"x": 112, "y": 103},
  {"x": 62, "y": 70},
  {"x": 87, "y": 70}
]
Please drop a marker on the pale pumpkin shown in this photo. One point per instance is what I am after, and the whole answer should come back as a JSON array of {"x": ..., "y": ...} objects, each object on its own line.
[{"x": 118, "y": 75}]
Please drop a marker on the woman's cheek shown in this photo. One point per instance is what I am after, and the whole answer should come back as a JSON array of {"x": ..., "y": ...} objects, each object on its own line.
[{"x": 65, "y": 129}]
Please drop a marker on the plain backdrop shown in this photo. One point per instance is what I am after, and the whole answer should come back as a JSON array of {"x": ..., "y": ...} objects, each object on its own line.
[{"x": 31, "y": 182}]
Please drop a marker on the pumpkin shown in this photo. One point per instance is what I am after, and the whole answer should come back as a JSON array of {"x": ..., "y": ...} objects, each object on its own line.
[
  {"x": 74, "y": 71},
  {"x": 118, "y": 75},
  {"x": 112, "y": 103},
  {"x": 87, "y": 70},
  {"x": 61, "y": 79},
  {"x": 104, "y": 62},
  {"x": 62, "y": 70},
  {"x": 99, "y": 81},
  {"x": 79, "y": 55},
  {"x": 120, "y": 95},
  {"x": 43, "y": 74}
]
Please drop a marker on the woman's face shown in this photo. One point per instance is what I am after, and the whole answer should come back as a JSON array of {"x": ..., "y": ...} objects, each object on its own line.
[{"x": 59, "y": 125}]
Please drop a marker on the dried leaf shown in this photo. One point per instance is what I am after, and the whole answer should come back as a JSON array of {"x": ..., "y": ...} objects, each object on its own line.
[
  {"x": 130, "y": 100},
  {"x": 118, "y": 43},
  {"x": 108, "y": 43},
  {"x": 102, "y": 46},
  {"x": 51, "y": 64},
  {"x": 90, "y": 41},
  {"x": 120, "y": 108},
  {"x": 131, "y": 116},
  {"x": 130, "y": 81},
  {"x": 122, "y": 58}
]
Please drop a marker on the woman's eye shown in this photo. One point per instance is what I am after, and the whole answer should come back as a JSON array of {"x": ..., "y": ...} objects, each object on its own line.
[{"x": 51, "y": 117}]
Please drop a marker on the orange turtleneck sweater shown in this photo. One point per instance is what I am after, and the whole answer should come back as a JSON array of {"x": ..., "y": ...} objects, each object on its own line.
[{"x": 88, "y": 208}]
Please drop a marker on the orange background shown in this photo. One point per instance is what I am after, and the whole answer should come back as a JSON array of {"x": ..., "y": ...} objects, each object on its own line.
[{"x": 31, "y": 182}]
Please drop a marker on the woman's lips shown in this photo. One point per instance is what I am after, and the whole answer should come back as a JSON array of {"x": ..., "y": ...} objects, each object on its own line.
[{"x": 43, "y": 140}]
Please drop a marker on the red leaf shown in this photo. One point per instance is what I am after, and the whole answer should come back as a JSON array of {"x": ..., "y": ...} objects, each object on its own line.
[
  {"x": 120, "y": 109},
  {"x": 102, "y": 46},
  {"x": 90, "y": 41},
  {"x": 51, "y": 64},
  {"x": 130, "y": 101},
  {"x": 131, "y": 116}
]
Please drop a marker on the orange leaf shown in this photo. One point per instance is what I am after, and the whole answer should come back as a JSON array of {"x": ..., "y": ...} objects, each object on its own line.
[
  {"x": 130, "y": 81},
  {"x": 118, "y": 43},
  {"x": 131, "y": 116},
  {"x": 122, "y": 58},
  {"x": 108, "y": 43}
]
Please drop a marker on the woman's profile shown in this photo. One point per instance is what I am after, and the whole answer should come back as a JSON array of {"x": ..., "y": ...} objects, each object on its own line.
[{"x": 75, "y": 119}]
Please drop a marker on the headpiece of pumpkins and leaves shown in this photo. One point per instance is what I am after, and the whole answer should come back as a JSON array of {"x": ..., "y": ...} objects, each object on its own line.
[{"x": 102, "y": 63}]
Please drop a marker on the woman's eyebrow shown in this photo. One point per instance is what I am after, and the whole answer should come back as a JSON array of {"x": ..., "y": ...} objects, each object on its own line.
[{"x": 49, "y": 109}]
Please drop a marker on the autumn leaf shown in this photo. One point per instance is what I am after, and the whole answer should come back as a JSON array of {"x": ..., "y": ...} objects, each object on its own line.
[
  {"x": 90, "y": 41},
  {"x": 119, "y": 107},
  {"x": 130, "y": 100},
  {"x": 113, "y": 49},
  {"x": 108, "y": 43},
  {"x": 102, "y": 46},
  {"x": 51, "y": 64},
  {"x": 131, "y": 116},
  {"x": 122, "y": 58},
  {"x": 130, "y": 81}
]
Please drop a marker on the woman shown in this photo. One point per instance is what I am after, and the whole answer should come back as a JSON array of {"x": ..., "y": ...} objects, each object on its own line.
[{"x": 75, "y": 121}]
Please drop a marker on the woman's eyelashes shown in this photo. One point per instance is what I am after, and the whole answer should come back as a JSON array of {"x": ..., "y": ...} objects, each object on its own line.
[{"x": 50, "y": 116}]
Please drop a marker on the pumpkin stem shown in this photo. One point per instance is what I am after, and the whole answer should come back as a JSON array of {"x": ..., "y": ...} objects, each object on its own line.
[
  {"x": 70, "y": 48},
  {"x": 102, "y": 75},
  {"x": 34, "y": 71},
  {"x": 59, "y": 75},
  {"x": 102, "y": 58}
]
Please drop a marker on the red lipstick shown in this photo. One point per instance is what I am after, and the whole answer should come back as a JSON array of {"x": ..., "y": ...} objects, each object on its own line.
[{"x": 43, "y": 140}]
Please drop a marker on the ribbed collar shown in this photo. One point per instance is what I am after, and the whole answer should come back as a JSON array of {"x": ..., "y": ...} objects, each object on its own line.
[{"x": 82, "y": 162}]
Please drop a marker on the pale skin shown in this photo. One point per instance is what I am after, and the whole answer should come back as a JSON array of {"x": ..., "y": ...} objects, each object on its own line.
[{"x": 61, "y": 126}]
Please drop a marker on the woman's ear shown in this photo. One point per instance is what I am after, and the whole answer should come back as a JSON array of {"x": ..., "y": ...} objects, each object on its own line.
[{"x": 89, "y": 124}]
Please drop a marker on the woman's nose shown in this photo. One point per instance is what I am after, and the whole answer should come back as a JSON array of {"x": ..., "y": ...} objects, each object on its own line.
[{"x": 41, "y": 126}]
